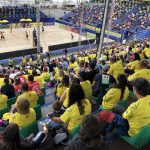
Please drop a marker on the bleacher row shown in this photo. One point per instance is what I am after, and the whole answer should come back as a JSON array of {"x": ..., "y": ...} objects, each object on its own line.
[{"x": 135, "y": 18}]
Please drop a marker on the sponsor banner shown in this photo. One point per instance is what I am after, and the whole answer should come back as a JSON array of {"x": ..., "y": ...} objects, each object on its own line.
[
  {"x": 48, "y": 23},
  {"x": 106, "y": 32}
]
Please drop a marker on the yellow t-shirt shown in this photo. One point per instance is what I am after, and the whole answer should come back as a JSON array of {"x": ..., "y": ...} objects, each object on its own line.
[
  {"x": 30, "y": 71},
  {"x": 60, "y": 90},
  {"x": 73, "y": 65},
  {"x": 2, "y": 82},
  {"x": 31, "y": 96},
  {"x": 112, "y": 97},
  {"x": 22, "y": 120},
  {"x": 116, "y": 69},
  {"x": 24, "y": 60},
  {"x": 144, "y": 73},
  {"x": 58, "y": 77},
  {"x": 135, "y": 50},
  {"x": 30, "y": 60},
  {"x": 38, "y": 57},
  {"x": 66, "y": 101},
  {"x": 45, "y": 75},
  {"x": 138, "y": 115},
  {"x": 86, "y": 58},
  {"x": 87, "y": 88},
  {"x": 80, "y": 58},
  {"x": 40, "y": 80},
  {"x": 147, "y": 52},
  {"x": 134, "y": 65},
  {"x": 3, "y": 101},
  {"x": 72, "y": 116}
]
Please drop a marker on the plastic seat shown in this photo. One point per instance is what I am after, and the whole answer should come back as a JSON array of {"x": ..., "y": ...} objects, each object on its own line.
[
  {"x": 38, "y": 112},
  {"x": 47, "y": 80},
  {"x": 32, "y": 128},
  {"x": 3, "y": 111},
  {"x": 11, "y": 101},
  {"x": 41, "y": 100},
  {"x": 75, "y": 131},
  {"x": 44, "y": 91},
  {"x": 123, "y": 103},
  {"x": 141, "y": 139}
]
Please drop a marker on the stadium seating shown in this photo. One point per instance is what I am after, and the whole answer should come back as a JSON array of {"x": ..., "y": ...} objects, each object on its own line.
[
  {"x": 141, "y": 139},
  {"x": 26, "y": 131},
  {"x": 38, "y": 112},
  {"x": 11, "y": 102},
  {"x": 3, "y": 111},
  {"x": 41, "y": 100}
]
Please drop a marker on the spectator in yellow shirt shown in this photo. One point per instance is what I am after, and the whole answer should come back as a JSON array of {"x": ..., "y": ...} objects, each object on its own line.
[
  {"x": 134, "y": 65},
  {"x": 59, "y": 75},
  {"x": 45, "y": 75},
  {"x": 86, "y": 85},
  {"x": 119, "y": 92},
  {"x": 78, "y": 108},
  {"x": 24, "y": 115},
  {"x": 142, "y": 73},
  {"x": 62, "y": 86},
  {"x": 38, "y": 78},
  {"x": 146, "y": 51},
  {"x": 31, "y": 96},
  {"x": 3, "y": 101},
  {"x": 64, "y": 99},
  {"x": 115, "y": 68},
  {"x": 138, "y": 113}
]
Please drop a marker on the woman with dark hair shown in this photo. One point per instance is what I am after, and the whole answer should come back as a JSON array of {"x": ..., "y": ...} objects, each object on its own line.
[
  {"x": 65, "y": 96},
  {"x": 11, "y": 139},
  {"x": 62, "y": 86},
  {"x": 78, "y": 107},
  {"x": 86, "y": 85},
  {"x": 8, "y": 89},
  {"x": 89, "y": 136},
  {"x": 134, "y": 65},
  {"x": 116, "y": 93},
  {"x": 17, "y": 85}
]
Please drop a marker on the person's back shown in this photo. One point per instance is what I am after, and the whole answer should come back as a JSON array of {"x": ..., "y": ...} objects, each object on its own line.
[
  {"x": 112, "y": 97},
  {"x": 8, "y": 89},
  {"x": 72, "y": 112},
  {"x": 24, "y": 115},
  {"x": 23, "y": 120},
  {"x": 45, "y": 75},
  {"x": 40, "y": 80},
  {"x": 31, "y": 96},
  {"x": 87, "y": 88},
  {"x": 116, "y": 69},
  {"x": 137, "y": 114},
  {"x": 3, "y": 101},
  {"x": 142, "y": 73},
  {"x": 34, "y": 85}
]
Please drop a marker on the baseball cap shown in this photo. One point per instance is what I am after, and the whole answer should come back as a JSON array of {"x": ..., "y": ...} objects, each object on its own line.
[
  {"x": 106, "y": 116},
  {"x": 106, "y": 67}
]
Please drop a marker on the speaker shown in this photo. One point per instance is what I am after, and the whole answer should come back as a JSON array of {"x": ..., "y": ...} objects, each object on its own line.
[{"x": 97, "y": 38}]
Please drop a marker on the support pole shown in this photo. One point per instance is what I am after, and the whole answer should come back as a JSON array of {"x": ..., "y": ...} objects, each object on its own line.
[
  {"x": 103, "y": 29},
  {"x": 37, "y": 4},
  {"x": 81, "y": 26}
]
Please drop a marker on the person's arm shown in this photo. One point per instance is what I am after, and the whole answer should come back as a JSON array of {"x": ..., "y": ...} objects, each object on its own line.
[
  {"x": 63, "y": 96},
  {"x": 131, "y": 110},
  {"x": 109, "y": 95},
  {"x": 33, "y": 145}
]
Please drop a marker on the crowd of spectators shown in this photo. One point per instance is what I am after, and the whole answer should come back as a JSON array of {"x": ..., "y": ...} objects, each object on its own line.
[
  {"x": 133, "y": 16},
  {"x": 81, "y": 81}
]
